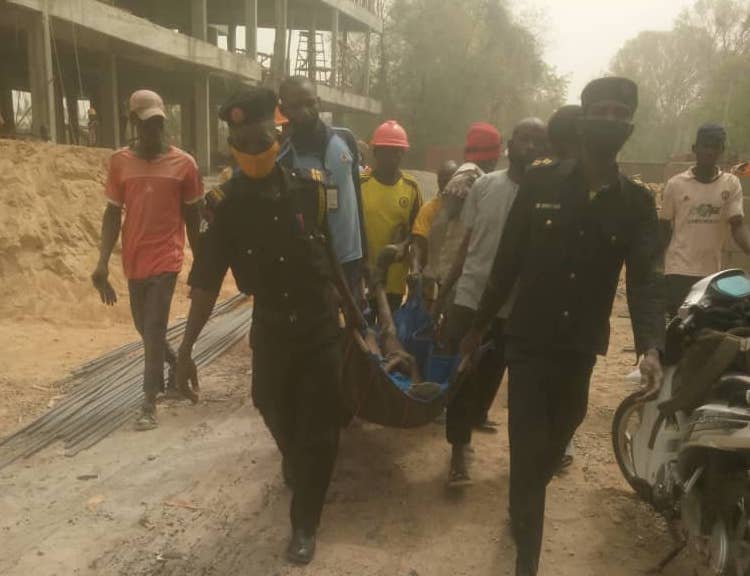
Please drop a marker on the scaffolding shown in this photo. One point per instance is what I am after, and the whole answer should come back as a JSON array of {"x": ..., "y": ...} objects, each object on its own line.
[{"x": 312, "y": 63}]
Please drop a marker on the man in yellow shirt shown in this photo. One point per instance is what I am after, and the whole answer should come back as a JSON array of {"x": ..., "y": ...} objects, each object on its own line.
[{"x": 391, "y": 201}]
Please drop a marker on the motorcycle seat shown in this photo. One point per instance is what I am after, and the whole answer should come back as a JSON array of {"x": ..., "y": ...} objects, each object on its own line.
[
  {"x": 734, "y": 387},
  {"x": 735, "y": 380}
]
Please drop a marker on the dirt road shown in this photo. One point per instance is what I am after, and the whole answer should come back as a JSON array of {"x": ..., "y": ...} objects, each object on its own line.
[{"x": 203, "y": 496}]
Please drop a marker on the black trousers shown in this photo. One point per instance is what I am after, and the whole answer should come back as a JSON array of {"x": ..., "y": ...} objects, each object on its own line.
[
  {"x": 150, "y": 300},
  {"x": 296, "y": 387},
  {"x": 678, "y": 287},
  {"x": 474, "y": 399},
  {"x": 547, "y": 401}
]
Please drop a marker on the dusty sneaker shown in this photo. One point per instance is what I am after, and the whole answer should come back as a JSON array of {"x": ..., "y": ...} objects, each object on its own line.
[
  {"x": 459, "y": 471},
  {"x": 147, "y": 418}
]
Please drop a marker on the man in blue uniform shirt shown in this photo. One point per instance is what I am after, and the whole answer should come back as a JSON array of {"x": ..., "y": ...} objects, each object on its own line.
[{"x": 312, "y": 145}]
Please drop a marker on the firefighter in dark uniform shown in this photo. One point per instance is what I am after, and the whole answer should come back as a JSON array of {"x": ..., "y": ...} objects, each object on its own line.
[
  {"x": 572, "y": 227},
  {"x": 268, "y": 226}
]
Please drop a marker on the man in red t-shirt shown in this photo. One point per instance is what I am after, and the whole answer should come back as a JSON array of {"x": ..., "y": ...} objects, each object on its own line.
[{"x": 159, "y": 189}]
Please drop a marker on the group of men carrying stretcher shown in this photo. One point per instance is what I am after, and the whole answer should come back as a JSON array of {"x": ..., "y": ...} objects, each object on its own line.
[{"x": 523, "y": 264}]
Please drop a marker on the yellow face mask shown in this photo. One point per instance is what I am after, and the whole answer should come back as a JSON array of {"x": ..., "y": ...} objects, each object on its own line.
[{"x": 257, "y": 166}]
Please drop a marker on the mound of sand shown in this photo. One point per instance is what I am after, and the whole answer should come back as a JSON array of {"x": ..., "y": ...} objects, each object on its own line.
[{"x": 51, "y": 205}]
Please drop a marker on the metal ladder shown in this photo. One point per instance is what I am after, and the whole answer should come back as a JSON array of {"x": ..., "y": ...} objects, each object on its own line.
[{"x": 302, "y": 60}]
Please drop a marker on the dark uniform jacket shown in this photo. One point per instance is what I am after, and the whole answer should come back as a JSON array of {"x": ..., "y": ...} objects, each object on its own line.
[
  {"x": 273, "y": 239},
  {"x": 566, "y": 247}
]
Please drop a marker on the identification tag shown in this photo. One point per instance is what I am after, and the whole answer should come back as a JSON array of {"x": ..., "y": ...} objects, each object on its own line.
[{"x": 332, "y": 199}]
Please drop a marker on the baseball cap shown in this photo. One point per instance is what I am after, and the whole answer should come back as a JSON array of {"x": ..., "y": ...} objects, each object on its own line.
[{"x": 147, "y": 104}]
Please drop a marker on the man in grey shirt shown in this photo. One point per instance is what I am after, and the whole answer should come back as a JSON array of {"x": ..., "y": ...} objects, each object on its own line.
[{"x": 483, "y": 215}]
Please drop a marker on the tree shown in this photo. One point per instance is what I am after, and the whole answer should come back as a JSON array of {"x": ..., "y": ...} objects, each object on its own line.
[
  {"x": 694, "y": 73},
  {"x": 726, "y": 22},
  {"x": 671, "y": 69},
  {"x": 447, "y": 64}
]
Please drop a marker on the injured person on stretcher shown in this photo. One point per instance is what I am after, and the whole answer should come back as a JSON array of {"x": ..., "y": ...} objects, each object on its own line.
[{"x": 383, "y": 342}]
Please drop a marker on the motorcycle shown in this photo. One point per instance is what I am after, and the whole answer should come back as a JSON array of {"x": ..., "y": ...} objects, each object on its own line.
[{"x": 694, "y": 468}]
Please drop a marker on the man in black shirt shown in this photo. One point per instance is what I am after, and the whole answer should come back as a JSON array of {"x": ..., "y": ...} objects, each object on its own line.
[
  {"x": 573, "y": 225},
  {"x": 269, "y": 226}
]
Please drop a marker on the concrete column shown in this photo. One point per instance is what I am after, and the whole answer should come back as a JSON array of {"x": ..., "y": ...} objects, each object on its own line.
[
  {"x": 41, "y": 78},
  {"x": 202, "y": 122},
  {"x": 199, "y": 19},
  {"x": 278, "y": 64},
  {"x": 49, "y": 78},
  {"x": 108, "y": 108},
  {"x": 6, "y": 109},
  {"x": 251, "y": 28},
  {"x": 35, "y": 68},
  {"x": 187, "y": 119},
  {"x": 344, "y": 58},
  {"x": 333, "y": 81},
  {"x": 232, "y": 38},
  {"x": 213, "y": 124},
  {"x": 366, "y": 67},
  {"x": 212, "y": 35}
]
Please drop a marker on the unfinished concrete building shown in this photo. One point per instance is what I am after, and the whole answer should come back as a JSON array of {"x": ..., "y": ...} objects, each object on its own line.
[{"x": 60, "y": 58}]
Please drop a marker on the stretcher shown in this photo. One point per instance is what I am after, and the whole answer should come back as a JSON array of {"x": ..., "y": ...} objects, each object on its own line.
[{"x": 395, "y": 374}]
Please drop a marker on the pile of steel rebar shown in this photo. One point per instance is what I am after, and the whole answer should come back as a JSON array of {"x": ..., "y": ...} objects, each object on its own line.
[{"x": 108, "y": 390}]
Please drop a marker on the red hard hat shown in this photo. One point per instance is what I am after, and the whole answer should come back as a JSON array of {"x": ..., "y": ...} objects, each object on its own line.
[
  {"x": 483, "y": 142},
  {"x": 390, "y": 134}
]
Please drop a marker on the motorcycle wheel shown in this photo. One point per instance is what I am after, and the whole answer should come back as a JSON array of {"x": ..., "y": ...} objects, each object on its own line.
[{"x": 628, "y": 410}]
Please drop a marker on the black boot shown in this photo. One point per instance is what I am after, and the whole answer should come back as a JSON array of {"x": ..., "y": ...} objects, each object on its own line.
[
  {"x": 525, "y": 566},
  {"x": 459, "y": 473},
  {"x": 302, "y": 547}
]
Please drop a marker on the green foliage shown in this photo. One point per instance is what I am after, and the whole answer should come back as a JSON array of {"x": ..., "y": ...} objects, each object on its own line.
[
  {"x": 697, "y": 72},
  {"x": 447, "y": 64}
]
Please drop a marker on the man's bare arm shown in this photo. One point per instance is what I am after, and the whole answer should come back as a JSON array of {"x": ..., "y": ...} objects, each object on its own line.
[
  {"x": 192, "y": 215},
  {"x": 665, "y": 236},
  {"x": 418, "y": 254},
  {"x": 454, "y": 273},
  {"x": 201, "y": 305},
  {"x": 740, "y": 233},
  {"x": 111, "y": 223}
]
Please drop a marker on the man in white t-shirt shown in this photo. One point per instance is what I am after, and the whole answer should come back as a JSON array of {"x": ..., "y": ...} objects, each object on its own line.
[
  {"x": 483, "y": 216},
  {"x": 697, "y": 208}
]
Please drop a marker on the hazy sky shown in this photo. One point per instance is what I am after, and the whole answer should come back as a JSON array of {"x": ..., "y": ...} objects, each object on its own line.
[{"x": 583, "y": 35}]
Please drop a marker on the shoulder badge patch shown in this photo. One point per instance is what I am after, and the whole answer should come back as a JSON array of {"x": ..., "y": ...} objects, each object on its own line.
[
  {"x": 542, "y": 162},
  {"x": 311, "y": 174}
]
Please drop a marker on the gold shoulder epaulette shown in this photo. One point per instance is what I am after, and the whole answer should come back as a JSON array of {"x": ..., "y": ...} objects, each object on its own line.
[
  {"x": 215, "y": 196},
  {"x": 311, "y": 174},
  {"x": 542, "y": 162}
]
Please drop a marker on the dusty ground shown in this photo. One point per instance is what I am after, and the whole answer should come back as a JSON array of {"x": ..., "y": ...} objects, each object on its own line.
[{"x": 203, "y": 496}]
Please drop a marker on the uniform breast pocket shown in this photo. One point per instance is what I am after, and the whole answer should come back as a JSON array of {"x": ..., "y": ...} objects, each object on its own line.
[
  {"x": 245, "y": 265},
  {"x": 546, "y": 229},
  {"x": 546, "y": 244},
  {"x": 614, "y": 238}
]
